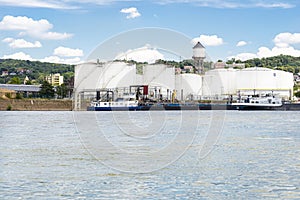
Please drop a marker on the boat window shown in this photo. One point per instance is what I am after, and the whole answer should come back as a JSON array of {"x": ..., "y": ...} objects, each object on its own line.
[
  {"x": 256, "y": 102},
  {"x": 105, "y": 103}
]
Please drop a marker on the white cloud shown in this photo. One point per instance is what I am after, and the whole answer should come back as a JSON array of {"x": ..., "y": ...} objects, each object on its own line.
[
  {"x": 241, "y": 43},
  {"x": 34, "y": 28},
  {"x": 266, "y": 52},
  {"x": 208, "y": 40},
  {"x": 283, "y": 45},
  {"x": 18, "y": 56},
  {"x": 8, "y": 40},
  {"x": 57, "y": 4},
  {"x": 51, "y": 59},
  {"x": 243, "y": 56},
  {"x": 56, "y": 59},
  {"x": 231, "y": 4},
  {"x": 21, "y": 43},
  {"x": 132, "y": 12},
  {"x": 143, "y": 54},
  {"x": 77, "y": 4},
  {"x": 53, "y": 4},
  {"x": 67, "y": 52},
  {"x": 275, "y": 5},
  {"x": 286, "y": 39}
]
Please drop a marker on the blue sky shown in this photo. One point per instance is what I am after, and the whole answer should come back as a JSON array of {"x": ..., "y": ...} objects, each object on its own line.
[{"x": 68, "y": 31}]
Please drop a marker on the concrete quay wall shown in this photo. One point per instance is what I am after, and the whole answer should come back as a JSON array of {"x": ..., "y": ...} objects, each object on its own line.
[{"x": 35, "y": 105}]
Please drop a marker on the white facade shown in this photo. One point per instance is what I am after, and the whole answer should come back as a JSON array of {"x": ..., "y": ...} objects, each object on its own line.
[{"x": 54, "y": 79}]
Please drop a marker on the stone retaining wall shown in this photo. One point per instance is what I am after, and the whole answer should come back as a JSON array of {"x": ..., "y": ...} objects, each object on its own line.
[{"x": 35, "y": 105}]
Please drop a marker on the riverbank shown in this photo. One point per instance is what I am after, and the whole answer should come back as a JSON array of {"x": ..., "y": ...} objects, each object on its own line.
[{"x": 35, "y": 105}]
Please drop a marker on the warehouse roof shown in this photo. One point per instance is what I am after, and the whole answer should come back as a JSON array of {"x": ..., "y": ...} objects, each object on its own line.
[{"x": 21, "y": 88}]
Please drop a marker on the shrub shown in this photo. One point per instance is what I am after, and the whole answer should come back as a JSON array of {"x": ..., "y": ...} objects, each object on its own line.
[
  {"x": 19, "y": 96},
  {"x": 9, "y": 107},
  {"x": 8, "y": 95}
]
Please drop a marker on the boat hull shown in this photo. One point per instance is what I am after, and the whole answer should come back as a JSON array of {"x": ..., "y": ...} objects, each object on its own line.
[
  {"x": 283, "y": 107},
  {"x": 159, "y": 107},
  {"x": 92, "y": 108}
]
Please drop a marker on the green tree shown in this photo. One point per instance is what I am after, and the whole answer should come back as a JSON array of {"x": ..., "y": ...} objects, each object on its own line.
[
  {"x": 47, "y": 90},
  {"x": 29, "y": 82},
  {"x": 297, "y": 94},
  {"x": 61, "y": 91},
  {"x": 14, "y": 80}
]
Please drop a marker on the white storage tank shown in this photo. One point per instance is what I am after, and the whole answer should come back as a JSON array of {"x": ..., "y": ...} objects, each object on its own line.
[
  {"x": 219, "y": 82},
  {"x": 263, "y": 80},
  {"x": 187, "y": 85}
]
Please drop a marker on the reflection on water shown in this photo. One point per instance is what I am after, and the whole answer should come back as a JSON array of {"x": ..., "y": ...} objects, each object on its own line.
[{"x": 256, "y": 157}]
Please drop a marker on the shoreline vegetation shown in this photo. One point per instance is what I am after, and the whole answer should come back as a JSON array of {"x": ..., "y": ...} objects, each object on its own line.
[{"x": 36, "y": 105}]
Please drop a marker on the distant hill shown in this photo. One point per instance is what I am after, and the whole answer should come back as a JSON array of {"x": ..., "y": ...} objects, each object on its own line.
[
  {"x": 281, "y": 62},
  {"x": 34, "y": 70}
]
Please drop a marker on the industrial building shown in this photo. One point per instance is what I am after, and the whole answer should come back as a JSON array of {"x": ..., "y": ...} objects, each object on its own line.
[
  {"x": 162, "y": 80},
  {"x": 25, "y": 90},
  {"x": 214, "y": 84}
]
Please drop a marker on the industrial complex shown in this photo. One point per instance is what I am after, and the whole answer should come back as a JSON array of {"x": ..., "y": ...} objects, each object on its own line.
[{"x": 164, "y": 83}]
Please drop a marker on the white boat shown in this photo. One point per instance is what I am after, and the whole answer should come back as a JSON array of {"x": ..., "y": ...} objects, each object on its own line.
[
  {"x": 267, "y": 102},
  {"x": 127, "y": 102}
]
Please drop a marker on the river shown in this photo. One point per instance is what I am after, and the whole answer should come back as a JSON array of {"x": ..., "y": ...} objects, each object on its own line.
[{"x": 150, "y": 155}]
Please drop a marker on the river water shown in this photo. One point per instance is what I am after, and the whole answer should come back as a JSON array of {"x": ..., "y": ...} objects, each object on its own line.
[{"x": 150, "y": 155}]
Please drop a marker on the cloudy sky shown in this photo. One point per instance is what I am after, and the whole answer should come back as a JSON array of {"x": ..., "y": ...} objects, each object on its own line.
[{"x": 67, "y": 31}]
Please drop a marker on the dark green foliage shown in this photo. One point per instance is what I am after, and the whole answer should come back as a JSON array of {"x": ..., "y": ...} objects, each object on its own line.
[
  {"x": 297, "y": 94},
  {"x": 281, "y": 62},
  {"x": 19, "y": 96},
  {"x": 32, "y": 69},
  {"x": 9, "y": 107},
  {"x": 47, "y": 90},
  {"x": 61, "y": 91},
  {"x": 14, "y": 80},
  {"x": 8, "y": 95},
  {"x": 28, "y": 82}
]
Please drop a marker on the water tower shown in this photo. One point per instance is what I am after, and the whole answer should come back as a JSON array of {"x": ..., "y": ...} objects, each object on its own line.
[{"x": 199, "y": 56}]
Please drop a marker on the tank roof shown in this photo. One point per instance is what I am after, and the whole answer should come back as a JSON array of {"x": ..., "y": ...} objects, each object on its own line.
[{"x": 198, "y": 45}]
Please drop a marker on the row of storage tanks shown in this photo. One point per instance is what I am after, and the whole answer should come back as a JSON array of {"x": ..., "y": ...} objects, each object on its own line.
[{"x": 214, "y": 84}]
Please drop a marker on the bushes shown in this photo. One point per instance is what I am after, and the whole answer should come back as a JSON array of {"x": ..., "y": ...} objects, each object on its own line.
[
  {"x": 8, "y": 95},
  {"x": 19, "y": 96},
  {"x": 9, "y": 107}
]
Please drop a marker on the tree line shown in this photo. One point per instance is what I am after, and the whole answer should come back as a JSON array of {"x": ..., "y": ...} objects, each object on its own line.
[{"x": 280, "y": 62}]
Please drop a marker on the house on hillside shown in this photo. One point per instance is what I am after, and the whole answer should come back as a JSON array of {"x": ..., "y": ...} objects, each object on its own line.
[{"x": 4, "y": 73}]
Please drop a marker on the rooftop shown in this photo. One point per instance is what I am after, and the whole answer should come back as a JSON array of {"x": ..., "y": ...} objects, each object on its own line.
[{"x": 21, "y": 88}]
